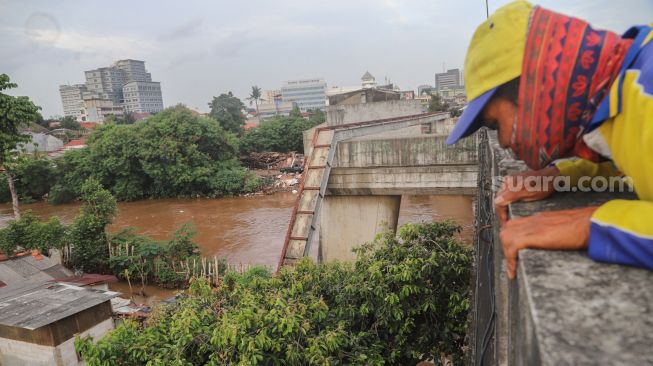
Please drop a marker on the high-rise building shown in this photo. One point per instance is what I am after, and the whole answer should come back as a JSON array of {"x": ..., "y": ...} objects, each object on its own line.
[
  {"x": 72, "y": 99},
  {"x": 452, "y": 79},
  {"x": 110, "y": 84},
  {"x": 142, "y": 96},
  {"x": 307, "y": 94}
]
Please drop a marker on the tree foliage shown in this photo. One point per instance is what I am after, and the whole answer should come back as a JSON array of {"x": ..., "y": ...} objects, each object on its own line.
[
  {"x": 227, "y": 110},
  {"x": 405, "y": 299},
  {"x": 70, "y": 123},
  {"x": 280, "y": 134},
  {"x": 255, "y": 96},
  {"x": 172, "y": 154},
  {"x": 87, "y": 234},
  {"x": 15, "y": 112},
  {"x": 29, "y": 232},
  {"x": 437, "y": 105}
]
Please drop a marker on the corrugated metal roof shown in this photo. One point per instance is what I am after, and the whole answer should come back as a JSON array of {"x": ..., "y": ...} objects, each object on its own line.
[
  {"x": 27, "y": 269},
  {"x": 31, "y": 306},
  {"x": 87, "y": 279}
]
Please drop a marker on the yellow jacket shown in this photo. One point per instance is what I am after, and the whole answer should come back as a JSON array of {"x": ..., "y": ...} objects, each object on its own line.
[{"x": 622, "y": 230}]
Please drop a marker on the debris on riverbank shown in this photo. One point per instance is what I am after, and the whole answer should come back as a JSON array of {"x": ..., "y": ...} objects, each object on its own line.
[{"x": 281, "y": 172}]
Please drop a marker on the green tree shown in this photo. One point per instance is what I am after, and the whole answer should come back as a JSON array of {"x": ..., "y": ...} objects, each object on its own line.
[
  {"x": 436, "y": 104},
  {"x": 14, "y": 113},
  {"x": 280, "y": 134},
  {"x": 295, "y": 113},
  {"x": 70, "y": 123},
  {"x": 174, "y": 154},
  {"x": 90, "y": 247},
  {"x": 255, "y": 96},
  {"x": 227, "y": 110},
  {"x": 317, "y": 116},
  {"x": 126, "y": 119},
  {"x": 34, "y": 177}
]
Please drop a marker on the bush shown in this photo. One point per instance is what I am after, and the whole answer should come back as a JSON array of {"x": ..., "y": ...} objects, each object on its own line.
[
  {"x": 405, "y": 299},
  {"x": 147, "y": 260},
  {"x": 30, "y": 233}
]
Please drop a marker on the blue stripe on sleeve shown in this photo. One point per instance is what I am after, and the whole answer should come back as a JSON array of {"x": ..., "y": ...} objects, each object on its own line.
[{"x": 609, "y": 244}]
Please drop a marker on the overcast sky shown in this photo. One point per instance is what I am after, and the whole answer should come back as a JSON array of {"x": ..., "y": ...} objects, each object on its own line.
[{"x": 198, "y": 49}]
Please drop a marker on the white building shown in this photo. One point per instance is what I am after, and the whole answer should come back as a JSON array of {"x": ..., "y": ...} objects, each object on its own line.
[
  {"x": 307, "y": 94},
  {"x": 271, "y": 110},
  {"x": 142, "y": 96},
  {"x": 108, "y": 83},
  {"x": 452, "y": 79},
  {"x": 72, "y": 99}
]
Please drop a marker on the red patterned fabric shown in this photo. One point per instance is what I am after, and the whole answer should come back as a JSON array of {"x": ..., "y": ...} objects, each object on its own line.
[{"x": 568, "y": 68}]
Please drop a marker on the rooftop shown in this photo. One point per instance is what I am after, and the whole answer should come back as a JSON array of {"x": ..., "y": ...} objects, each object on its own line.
[
  {"x": 31, "y": 306},
  {"x": 24, "y": 268},
  {"x": 87, "y": 279}
]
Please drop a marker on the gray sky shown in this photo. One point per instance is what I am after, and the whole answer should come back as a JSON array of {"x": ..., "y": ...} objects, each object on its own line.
[{"x": 198, "y": 49}]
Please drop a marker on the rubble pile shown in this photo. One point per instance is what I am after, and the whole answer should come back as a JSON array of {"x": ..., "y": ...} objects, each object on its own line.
[{"x": 273, "y": 160}]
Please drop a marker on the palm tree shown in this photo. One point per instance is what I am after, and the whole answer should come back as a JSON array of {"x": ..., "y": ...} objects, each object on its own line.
[{"x": 255, "y": 96}]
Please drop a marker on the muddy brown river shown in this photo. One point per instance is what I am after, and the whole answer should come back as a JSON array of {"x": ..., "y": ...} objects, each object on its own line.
[
  {"x": 243, "y": 229},
  {"x": 248, "y": 230}
]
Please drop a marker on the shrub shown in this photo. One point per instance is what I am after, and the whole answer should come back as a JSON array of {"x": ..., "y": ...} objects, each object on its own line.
[
  {"x": 404, "y": 299},
  {"x": 30, "y": 233}
]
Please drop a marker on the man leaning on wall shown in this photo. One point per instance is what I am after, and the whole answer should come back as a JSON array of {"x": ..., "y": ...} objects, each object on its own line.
[{"x": 573, "y": 102}]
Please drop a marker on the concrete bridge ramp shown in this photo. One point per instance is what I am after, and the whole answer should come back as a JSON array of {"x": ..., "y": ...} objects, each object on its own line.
[{"x": 370, "y": 197}]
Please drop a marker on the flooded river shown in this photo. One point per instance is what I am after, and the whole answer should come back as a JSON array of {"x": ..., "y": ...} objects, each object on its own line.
[
  {"x": 248, "y": 230},
  {"x": 243, "y": 229}
]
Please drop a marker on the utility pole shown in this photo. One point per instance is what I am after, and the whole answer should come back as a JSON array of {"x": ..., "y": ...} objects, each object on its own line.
[{"x": 487, "y": 9}]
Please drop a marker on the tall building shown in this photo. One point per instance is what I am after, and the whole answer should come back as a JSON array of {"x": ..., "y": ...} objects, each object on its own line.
[
  {"x": 452, "y": 79},
  {"x": 72, "y": 99},
  {"x": 307, "y": 94},
  {"x": 110, "y": 84},
  {"x": 271, "y": 96},
  {"x": 142, "y": 96}
]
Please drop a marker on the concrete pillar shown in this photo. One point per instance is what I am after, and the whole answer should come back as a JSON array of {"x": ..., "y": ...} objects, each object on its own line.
[{"x": 348, "y": 221}]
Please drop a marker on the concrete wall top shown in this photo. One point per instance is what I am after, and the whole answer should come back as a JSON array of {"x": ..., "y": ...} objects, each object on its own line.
[{"x": 350, "y": 113}]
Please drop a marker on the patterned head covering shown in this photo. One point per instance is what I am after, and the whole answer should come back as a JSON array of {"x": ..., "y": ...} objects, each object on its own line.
[{"x": 567, "y": 69}]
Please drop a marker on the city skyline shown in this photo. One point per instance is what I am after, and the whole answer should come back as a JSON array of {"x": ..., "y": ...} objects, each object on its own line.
[{"x": 201, "y": 50}]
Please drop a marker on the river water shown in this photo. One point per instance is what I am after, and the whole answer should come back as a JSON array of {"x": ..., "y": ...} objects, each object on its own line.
[{"x": 248, "y": 230}]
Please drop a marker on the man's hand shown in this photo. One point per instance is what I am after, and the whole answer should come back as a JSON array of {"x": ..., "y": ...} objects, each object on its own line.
[
  {"x": 528, "y": 186},
  {"x": 553, "y": 230}
]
